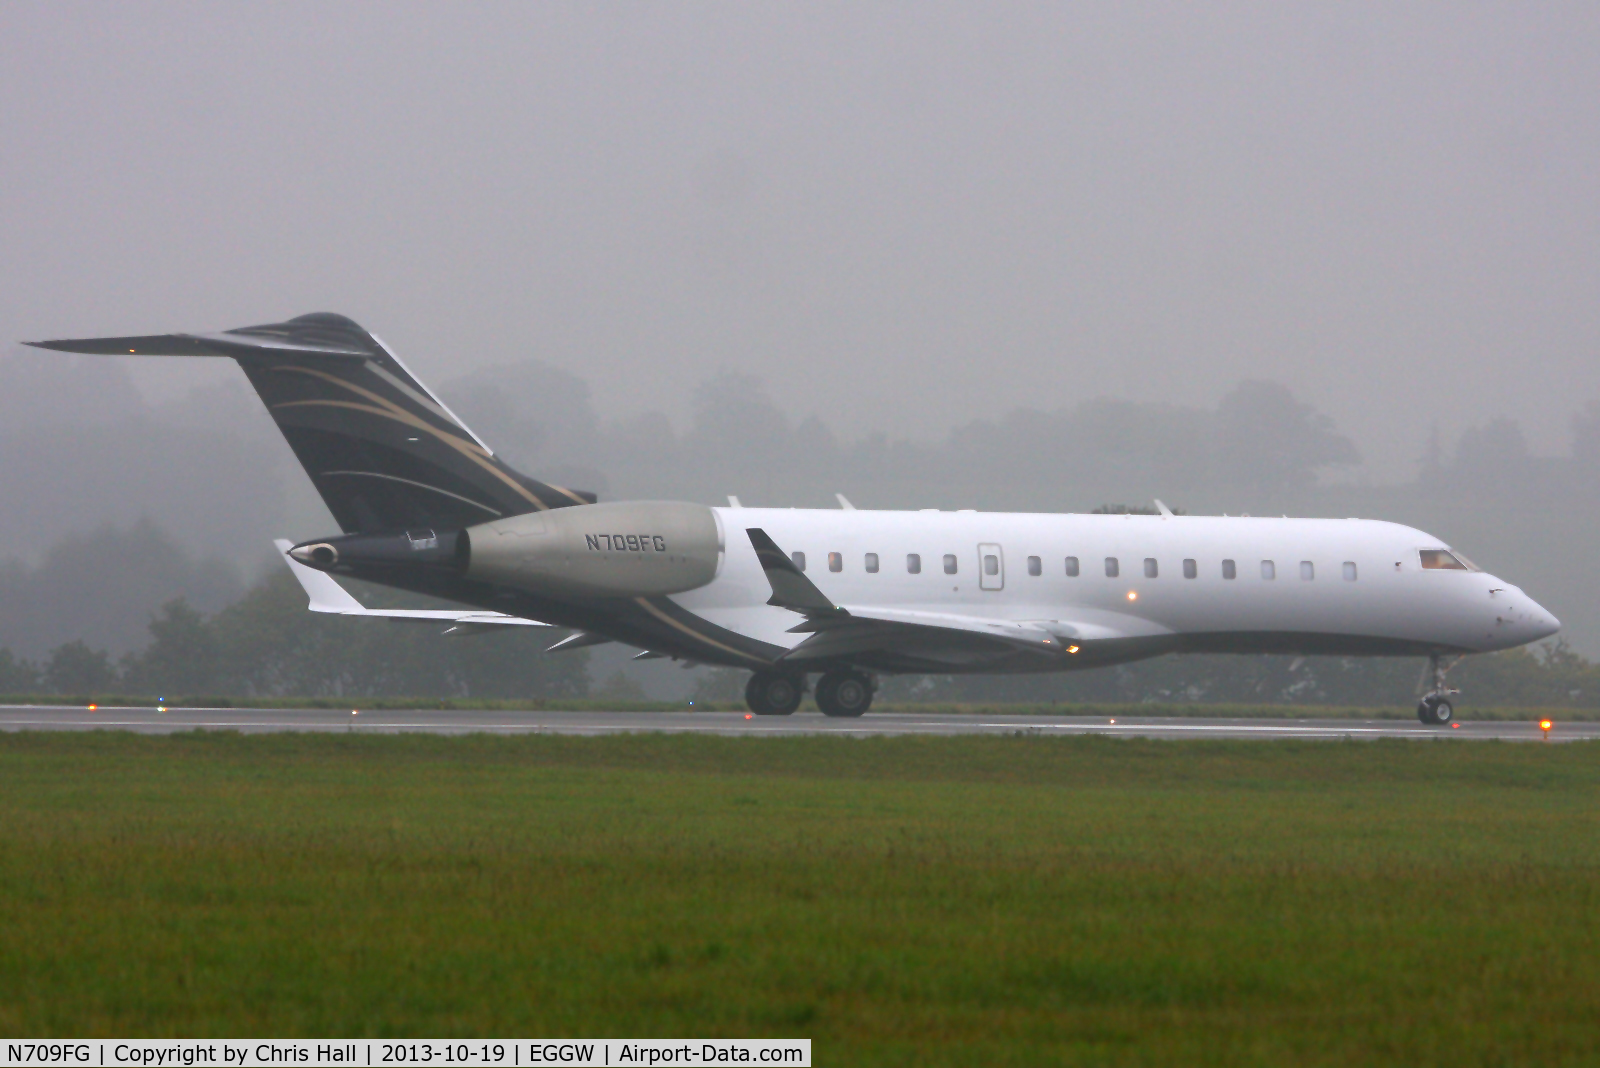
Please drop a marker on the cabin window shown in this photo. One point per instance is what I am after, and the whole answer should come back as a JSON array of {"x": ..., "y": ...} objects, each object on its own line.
[
  {"x": 1112, "y": 568},
  {"x": 1072, "y": 567},
  {"x": 949, "y": 563},
  {"x": 913, "y": 563},
  {"x": 872, "y": 563},
  {"x": 836, "y": 561},
  {"x": 991, "y": 565},
  {"x": 799, "y": 559},
  {"x": 1308, "y": 571},
  {"x": 1269, "y": 570},
  {"x": 1151, "y": 568},
  {"x": 1035, "y": 566},
  {"x": 1229, "y": 570},
  {"x": 1439, "y": 560},
  {"x": 1190, "y": 569},
  {"x": 1349, "y": 570}
]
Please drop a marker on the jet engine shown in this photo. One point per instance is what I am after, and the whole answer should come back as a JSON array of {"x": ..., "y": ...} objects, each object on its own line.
[{"x": 621, "y": 549}]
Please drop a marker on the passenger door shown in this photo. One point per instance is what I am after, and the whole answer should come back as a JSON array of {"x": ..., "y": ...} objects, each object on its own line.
[{"x": 991, "y": 567}]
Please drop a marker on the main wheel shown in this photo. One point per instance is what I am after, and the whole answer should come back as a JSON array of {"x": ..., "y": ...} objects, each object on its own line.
[
  {"x": 770, "y": 694},
  {"x": 1435, "y": 711},
  {"x": 844, "y": 693}
]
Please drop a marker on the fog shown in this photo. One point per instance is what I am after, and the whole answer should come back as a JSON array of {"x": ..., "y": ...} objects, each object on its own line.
[{"x": 1322, "y": 259}]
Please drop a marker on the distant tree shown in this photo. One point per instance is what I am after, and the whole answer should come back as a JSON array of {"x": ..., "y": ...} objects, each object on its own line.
[
  {"x": 741, "y": 442},
  {"x": 17, "y": 675},
  {"x": 74, "y": 668},
  {"x": 539, "y": 417},
  {"x": 102, "y": 586},
  {"x": 720, "y": 684},
  {"x": 619, "y": 687},
  {"x": 269, "y": 644},
  {"x": 182, "y": 658},
  {"x": 1268, "y": 440},
  {"x": 1497, "y": 447}
]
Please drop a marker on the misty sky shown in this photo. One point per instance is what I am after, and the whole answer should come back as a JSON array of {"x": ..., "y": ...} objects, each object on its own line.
[{"x": 900, "y": 216}]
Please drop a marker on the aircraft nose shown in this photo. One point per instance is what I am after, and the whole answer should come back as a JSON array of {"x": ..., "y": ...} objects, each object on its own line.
[
  {"x": 1541, "y": 621},
  {"x": 1518, "y": 618}
]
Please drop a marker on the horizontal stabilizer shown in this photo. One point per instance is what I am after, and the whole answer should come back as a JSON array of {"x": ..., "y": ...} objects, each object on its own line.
[
  {"x": 327, "y": 596},
  {"x": 384, "y": 453},
  {"x": 222, "y": 344}
]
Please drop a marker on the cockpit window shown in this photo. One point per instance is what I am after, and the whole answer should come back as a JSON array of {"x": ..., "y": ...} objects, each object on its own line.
[{"x": 1439, "y": 560}]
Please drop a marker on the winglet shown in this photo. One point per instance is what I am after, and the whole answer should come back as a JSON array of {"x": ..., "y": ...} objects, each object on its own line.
[
  {"x": 1163, "y": 509},
  {"x": 790, "y": 587}
]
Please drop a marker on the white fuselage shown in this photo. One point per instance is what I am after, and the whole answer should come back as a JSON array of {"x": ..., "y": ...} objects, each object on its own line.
[{"x": 1344, "y": 578}]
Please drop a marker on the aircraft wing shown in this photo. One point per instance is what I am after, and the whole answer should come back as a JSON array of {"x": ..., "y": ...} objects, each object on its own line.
[
  {"x": 957, "y": 638},
  {"x": 328, "y": 596},
  {"x": 868, "y": 631}
]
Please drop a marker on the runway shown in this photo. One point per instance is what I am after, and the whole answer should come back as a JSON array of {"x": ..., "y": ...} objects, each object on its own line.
[{"x": 260, "y": 720}]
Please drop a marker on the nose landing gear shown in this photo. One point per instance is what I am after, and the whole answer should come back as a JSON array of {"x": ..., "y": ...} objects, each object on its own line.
[{"x": 1435, "y": 709}]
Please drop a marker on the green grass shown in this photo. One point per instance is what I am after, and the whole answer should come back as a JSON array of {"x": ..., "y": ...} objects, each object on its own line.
[{"x": 974, "y": 900}]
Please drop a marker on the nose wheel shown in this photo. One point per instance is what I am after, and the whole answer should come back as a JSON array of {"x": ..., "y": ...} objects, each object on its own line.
[{"x": 1435, "y": 709}]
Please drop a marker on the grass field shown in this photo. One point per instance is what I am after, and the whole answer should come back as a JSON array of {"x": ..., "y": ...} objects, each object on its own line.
[{"x": 972, "y": 900}]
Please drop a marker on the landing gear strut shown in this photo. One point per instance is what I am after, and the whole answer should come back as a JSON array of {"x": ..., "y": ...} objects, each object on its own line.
[
  {"x": 1435, "y": 708},
  {"x": 844, "y": 693},
  {"x": 771, "y": 694}
]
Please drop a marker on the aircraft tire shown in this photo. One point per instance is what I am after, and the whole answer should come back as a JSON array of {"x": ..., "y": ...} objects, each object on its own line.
[
  {"x": 1435, "y": 711},
  {"x": 844, "y": 694},
  {"x": 771, "y": 694}
]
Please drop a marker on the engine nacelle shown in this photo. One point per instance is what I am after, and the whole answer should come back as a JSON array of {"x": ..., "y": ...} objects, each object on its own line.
[{"x": 621, "y": 549}]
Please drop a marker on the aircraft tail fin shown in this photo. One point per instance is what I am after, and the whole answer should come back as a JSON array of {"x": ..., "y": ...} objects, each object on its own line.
[{"x": 384, "y": 452}]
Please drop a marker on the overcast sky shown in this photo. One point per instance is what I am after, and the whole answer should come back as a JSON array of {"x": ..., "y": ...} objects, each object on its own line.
[{"x": 900, "y": 216}]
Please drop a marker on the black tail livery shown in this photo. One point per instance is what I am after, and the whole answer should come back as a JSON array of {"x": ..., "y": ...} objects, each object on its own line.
[{"x": 384, "y": 452}]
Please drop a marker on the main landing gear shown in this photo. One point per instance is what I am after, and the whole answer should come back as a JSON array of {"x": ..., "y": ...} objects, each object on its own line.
[
  {"x": 771, "y": 694},
  {"x": 1435, "y": 708},
  {"x": 839, "y": 693},
  {"x": 844, "y": 693}
]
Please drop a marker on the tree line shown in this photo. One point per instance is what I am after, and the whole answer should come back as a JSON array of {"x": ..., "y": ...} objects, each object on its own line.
[{"x": 266, "y": 644}]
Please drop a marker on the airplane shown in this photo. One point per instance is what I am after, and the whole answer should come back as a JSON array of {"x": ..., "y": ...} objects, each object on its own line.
[{"x": 423, "y": 504}]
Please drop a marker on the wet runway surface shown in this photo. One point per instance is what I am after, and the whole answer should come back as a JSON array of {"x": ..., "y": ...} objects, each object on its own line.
[{"x": 256, "y": 720}]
